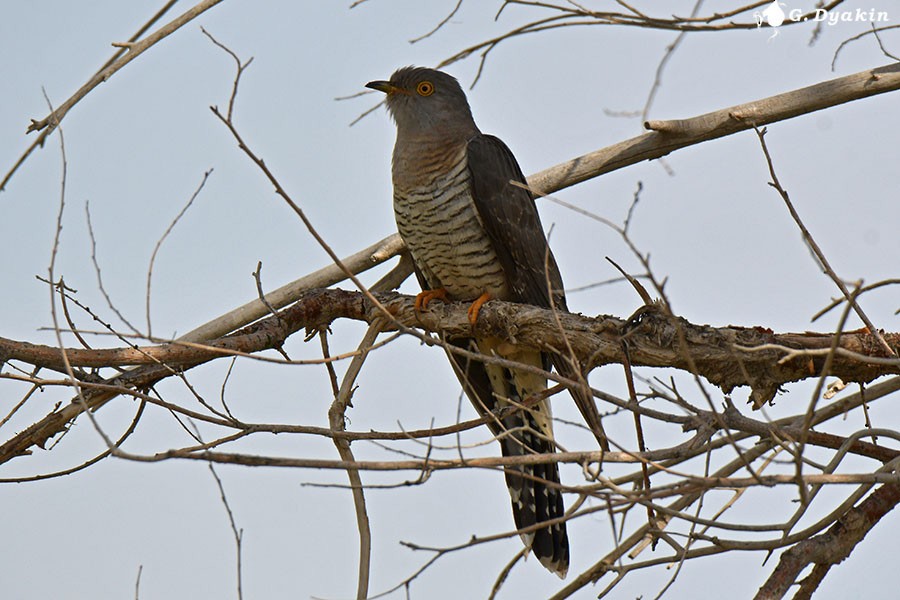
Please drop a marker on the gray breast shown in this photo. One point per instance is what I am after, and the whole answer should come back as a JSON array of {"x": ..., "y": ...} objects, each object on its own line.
[{"x": 437, "y": 218}]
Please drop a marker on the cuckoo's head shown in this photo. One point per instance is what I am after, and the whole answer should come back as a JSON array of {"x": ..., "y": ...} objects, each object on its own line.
[{"x": 423, "y": 100}]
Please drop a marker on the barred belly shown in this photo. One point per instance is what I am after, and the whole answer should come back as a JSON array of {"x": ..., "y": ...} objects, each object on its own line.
[{"x": 439, "y": 223}]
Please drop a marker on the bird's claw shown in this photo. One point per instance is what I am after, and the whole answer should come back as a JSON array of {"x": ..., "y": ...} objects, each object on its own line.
[
  {"x": 423, "y": 298},
  {"x": 476, "y": 306}
]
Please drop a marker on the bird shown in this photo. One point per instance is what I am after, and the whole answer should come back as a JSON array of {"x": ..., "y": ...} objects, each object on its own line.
[{"x": 475, "y": 236}]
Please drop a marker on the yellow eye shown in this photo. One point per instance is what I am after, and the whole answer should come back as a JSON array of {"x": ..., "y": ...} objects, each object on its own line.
[{"x": 425, "y": 88}]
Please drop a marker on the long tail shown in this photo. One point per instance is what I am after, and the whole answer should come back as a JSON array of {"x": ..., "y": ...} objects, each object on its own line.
[
  {"x": 535, "y": 494},
  {"x": 534, "y": 489}
]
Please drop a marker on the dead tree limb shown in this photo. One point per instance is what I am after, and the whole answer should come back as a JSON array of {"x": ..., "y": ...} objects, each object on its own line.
[{"x": 727, "y": 357}]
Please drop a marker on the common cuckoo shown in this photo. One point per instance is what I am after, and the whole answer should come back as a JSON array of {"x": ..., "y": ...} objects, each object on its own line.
[{"x": 474, "y": 236}]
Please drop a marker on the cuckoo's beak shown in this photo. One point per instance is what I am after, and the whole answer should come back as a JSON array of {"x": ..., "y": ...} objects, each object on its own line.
[{"x": 385, "y": 86}]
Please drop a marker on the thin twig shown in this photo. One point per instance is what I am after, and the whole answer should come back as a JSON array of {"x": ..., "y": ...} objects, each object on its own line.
[
  {"x": 874, "y": 31},
  {"x": 670, "y": 51},
  {"x": 814, "y": 247},
  {"x": 443, "y": 22},
  {"x": 238, "y": 533},
  {"x": 39, "y": 142},
  {"x": 160, "y": 241},
  {"x": 98, "y": 272},
  {"x": 137, "y": 583}
]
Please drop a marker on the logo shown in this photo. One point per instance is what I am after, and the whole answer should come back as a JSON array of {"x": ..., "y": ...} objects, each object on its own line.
[{"x": 774, "y": 16}]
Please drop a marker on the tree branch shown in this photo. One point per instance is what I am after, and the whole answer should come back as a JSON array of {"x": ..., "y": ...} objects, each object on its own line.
[
  {"x": 135, "y": 49},
  {"x": 668, "y": 136},
  {"x": 727, "y": 357},
  {"x": 829, "y": 548}
]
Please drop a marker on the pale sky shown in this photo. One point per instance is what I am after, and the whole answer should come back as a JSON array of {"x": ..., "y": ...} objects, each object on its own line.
[{"x": 137, "y": 148}]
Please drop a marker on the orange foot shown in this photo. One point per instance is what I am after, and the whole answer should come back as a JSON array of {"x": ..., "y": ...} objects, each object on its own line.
[
  {"x": 423, "y": 298},
  {"x": 476, "y": 306}
]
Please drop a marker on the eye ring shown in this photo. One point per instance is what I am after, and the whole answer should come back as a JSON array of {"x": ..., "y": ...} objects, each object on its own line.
[{"x": 425, "y": 88}]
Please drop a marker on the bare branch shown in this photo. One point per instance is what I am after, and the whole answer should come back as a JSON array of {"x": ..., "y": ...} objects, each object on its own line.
[
  {"x": 238, "y": 533},
  {"x": 829, "y": 548},
  {"x": 336, "y": 419},
  {"x": 162, "y": 239},
  {"x": 135, "y": 49},
  {"x": 667, "y": 136},
  {"x": 817, "y": 251},
  {"x": 874, "y": 31},
  {"x": 39, "y": 142},
  {"x": 718, "y": 352}
]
